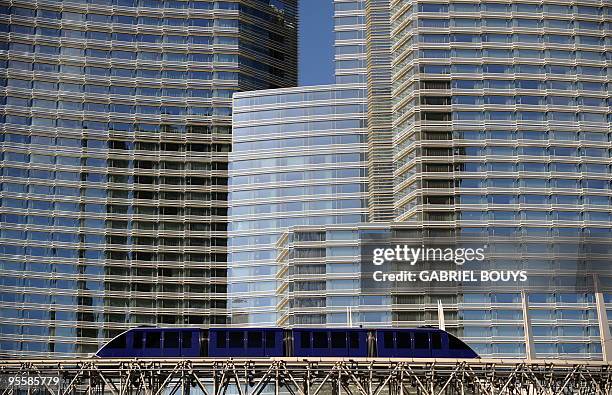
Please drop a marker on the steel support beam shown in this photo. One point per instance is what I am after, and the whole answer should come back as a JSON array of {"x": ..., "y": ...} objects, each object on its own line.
[{"x": 292, "y": 376}]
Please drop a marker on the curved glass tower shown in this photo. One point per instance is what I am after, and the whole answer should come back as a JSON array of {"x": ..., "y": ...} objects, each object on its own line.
[
  {"x": 298, "y": 159},
  {"x": 501, "y": 119},
  {"x": 116, "y": 127}
]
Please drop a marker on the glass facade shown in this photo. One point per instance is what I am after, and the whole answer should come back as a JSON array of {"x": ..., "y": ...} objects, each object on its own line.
[
  {"x": 501, "y": 120},
  {"x": 298, "y": 159},
  {"x": 506, "y": 105},
  {"x": 350, "y": 41},
  {"x": 321, "y": 283},
  {"x": 116, "y": 129},
  {"x": 319, "y": 274}
]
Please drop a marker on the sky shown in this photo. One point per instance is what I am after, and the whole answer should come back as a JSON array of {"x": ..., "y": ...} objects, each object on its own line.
[{"x": 316, "y": 50}]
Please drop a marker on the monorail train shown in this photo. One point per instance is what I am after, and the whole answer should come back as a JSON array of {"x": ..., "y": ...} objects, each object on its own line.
[{"x": 276, "y": 342}]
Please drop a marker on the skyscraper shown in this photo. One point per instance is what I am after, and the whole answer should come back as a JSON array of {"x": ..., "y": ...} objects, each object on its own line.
[
  {"x": 494, "y": 82},
  {"x": 501, "y": 125},
  {"x": 116, "y": 125},
  {"x": 298, "y": 158}
]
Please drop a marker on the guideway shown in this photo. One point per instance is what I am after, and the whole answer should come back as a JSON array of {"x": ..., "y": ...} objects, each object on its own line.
[{"x": 293, "y": 376}]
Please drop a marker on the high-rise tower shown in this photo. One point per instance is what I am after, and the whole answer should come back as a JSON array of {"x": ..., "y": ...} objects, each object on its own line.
[
  {"x": 299, "y": 159},
  {"x": 116, "y": 125},
  {"x": 501, "y": 127}
]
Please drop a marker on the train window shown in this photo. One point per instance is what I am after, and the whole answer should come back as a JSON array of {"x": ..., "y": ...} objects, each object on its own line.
[
  {"x": 270, "y": 339},
  {"x": 353, "y": 340},
  {"x": 254, "y": 340},
  {"x": 403, "y": 339},
  {"x": 338, "y": 340},
  {"x": 305, "y": 339},
  {"x": 436, "y": 341},
  {"x": 138, "y": 339},
  {"x": 388, "y": 339},
  {"x": 171, "y": 340},
  {"x": 236, "y": 340},
  {"x": 153, "y": 340},
  {"x": 421, "y": 340},
  {"x": 319, "y": 340},
  {"x": 118, "y": 343},
  {"x": 221, "y": 339},
  {"x": 456, "y": 344},
  {"x": 186, "y": 340}
]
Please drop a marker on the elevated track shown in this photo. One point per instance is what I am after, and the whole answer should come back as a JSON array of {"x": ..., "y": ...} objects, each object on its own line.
[{"x": 314, "y": 376}]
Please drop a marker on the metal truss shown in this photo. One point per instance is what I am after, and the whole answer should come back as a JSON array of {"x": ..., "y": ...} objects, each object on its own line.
[{"x": 292, "y": 376}]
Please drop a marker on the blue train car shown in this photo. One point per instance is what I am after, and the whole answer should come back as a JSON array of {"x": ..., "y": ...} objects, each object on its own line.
[
  {"x": 238, "y": 343},
  {"x": 330, "y": 342},
  {"x": 153, "y": 343},
  {"x": 276, "y": 342},
  {"x": 420, "y": 343}
]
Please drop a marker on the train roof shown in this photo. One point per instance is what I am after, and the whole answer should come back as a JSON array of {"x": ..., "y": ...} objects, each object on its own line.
[{"x": 420, "y": 328}]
